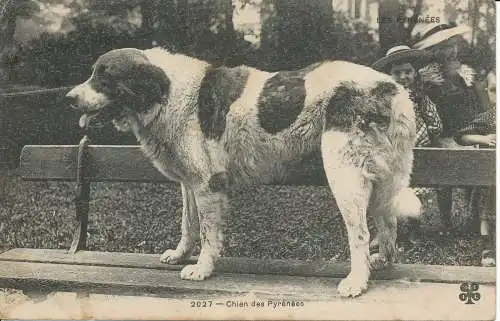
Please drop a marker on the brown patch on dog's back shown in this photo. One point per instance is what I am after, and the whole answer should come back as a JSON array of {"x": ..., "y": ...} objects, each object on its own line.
[
  {"x": 382, "y": 95},
  {"x": 282, "y": 99},
  {"x": 341, "y": 109},
  {"x": 219, "y": 90},
  {"x": 350, "y": 104},
  {"x": 384, "y": 88}
]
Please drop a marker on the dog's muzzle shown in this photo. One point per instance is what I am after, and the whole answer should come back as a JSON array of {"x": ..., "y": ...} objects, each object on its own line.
[
  {"x": 71, "y": 99},
  {"x": 92, "y": 117}
]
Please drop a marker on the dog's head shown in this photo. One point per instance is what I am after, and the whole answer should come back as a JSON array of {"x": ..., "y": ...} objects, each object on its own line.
[{"x": 123, "y": 82}]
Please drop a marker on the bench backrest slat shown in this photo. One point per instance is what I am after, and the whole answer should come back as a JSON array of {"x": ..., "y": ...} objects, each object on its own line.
[
  {"x": 106, "y": 163},
  {"x": 432, "y": 166},
  {"x": 454, "y": 167}
]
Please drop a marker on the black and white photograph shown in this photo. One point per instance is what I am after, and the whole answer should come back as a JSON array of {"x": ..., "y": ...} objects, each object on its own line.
[{"x": 248, "y": 159}]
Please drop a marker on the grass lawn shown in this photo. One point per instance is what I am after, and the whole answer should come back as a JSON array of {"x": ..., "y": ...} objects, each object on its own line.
[{"x": 265, "y": 222}]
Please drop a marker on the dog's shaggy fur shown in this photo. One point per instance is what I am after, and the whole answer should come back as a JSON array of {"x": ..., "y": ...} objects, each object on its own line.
[{"x": 216, "y": 128}]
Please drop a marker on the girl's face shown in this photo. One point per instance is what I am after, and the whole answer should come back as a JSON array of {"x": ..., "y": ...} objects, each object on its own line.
[
  {"x": 403, "y": 73},
  {"x": 492, "y": 88}
]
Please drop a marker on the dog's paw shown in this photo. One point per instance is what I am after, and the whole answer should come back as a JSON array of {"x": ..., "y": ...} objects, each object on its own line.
[
  {"x": 352, "y": 286},
  {"x": 172, "y": 257},
  {"x": 196, "y": 272},
  {"x": 378, "y": 261}
]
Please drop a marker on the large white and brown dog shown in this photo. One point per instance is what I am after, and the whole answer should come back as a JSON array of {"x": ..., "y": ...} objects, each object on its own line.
[{"x": 213, "y": 129}]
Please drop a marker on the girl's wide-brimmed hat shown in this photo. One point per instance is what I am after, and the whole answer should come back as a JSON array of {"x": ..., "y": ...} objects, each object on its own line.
[
  {"x": 428, "y": 35},
  {"x": 401, "y": 54}
]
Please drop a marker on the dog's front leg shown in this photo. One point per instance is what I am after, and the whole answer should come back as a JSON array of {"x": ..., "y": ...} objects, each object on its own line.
[
  {"x": 212, "y": 209},
  {"x": 190, "y": 230}
]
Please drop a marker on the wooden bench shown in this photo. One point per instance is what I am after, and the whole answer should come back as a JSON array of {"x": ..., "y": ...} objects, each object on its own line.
[{"x": 79, "y": 270}]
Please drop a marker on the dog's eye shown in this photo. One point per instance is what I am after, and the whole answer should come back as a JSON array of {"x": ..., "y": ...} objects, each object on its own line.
[{"x": 101, "y": 70}]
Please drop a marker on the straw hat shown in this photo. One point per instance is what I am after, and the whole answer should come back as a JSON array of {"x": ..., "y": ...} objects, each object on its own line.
[
  {"x": 400, "y": 54},
  {"x": 427, "y": 35}
]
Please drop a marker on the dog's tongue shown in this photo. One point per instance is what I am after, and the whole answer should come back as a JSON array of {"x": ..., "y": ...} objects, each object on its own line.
[{"x": 84, "y": 121}]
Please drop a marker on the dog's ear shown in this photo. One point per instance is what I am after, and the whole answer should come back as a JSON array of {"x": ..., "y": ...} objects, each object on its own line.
[{"x": 143, "y": 86}]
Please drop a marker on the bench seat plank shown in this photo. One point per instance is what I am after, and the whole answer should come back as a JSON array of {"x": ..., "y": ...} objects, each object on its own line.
[{"x": 409, "y": 272}]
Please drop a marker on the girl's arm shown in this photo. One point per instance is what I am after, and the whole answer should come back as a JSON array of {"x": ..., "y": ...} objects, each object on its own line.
[
  {"x": 473, "y": 139},
  {"x": 481, "y": 130},
  {"x": 431, "y": 117}
]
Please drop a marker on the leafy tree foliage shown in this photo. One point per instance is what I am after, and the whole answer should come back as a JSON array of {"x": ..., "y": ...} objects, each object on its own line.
[{"x": 296, "y": 33}]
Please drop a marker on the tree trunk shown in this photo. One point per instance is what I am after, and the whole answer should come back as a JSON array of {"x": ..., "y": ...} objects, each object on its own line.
[
  {"x": 269, "y": 36},
  {"x": 8, "y": 16},
  {"x": 148, "y": 11},
  {"x": 7, "y": 23},
  {"x": 390, "y": 30},
  {"x": 223, "y": 27},
  {"x": 416, "y": 13},
  {"x": 392, "y": 19},
  {"x": 491, "y": 26},
  {"x": 205, "y": 29},
  {"x": 473, "y": 12},
  {"x": 367, "y": 12},
  {"x": 475, "y": 21},
  {"x": 293, "y": 31}
]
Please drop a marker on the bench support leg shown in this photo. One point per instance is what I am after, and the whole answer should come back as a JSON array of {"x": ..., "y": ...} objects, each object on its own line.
[
  {"x": 82, "y": 215},
  {"x": 82, "y": 199}
]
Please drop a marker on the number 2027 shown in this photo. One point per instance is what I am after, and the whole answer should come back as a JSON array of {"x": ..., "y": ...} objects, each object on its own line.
[{"x": 201, "y": 304}]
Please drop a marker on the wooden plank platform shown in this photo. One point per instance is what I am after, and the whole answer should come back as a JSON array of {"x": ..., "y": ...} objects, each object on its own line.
[
  {"x": 409, "y": 272},
  {"x": 105, "y": 272},
  {"x": 127, "y": 163}
]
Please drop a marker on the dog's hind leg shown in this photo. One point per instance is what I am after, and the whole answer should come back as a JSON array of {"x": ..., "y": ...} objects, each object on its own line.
[
  {"x": 391, "y": 198},
  {"x": 351, "y": 190},
  {"x": 212, "y": 209},
  {"x": 386, "y": 229},
  {"x": 190, "y": 230}
]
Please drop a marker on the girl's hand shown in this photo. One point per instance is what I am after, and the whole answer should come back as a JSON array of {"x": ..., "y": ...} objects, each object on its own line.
[{"x": 490, "y": 140}]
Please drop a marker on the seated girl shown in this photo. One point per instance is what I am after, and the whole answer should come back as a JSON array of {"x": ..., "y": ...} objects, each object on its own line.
[{"x": 402, "y": 63}]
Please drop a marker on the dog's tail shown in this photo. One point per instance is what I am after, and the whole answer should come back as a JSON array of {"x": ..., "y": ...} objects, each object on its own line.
[
  {"x": 406, "y": 203},
  {"x": 402, "y": 136}
]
